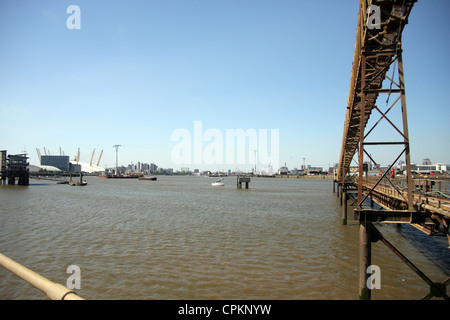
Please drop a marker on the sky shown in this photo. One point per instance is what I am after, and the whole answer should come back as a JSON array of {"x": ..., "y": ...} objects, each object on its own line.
[{"x": 135, "y": 72}]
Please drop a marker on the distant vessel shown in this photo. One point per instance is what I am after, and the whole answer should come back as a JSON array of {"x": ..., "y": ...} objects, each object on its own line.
[
  {"x": 120, "y": 176},
  {"x": 147, "y": 178},
  {"x": 218, "y": 183}
]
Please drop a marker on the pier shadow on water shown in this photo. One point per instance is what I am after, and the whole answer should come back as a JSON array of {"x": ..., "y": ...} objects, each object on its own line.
[{"x": 434, "y": 248}]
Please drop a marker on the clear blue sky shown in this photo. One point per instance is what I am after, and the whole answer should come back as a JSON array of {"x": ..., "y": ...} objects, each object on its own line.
[{"x": 138, "y": 70}]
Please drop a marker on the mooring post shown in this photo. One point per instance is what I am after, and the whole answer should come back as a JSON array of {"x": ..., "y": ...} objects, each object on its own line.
[
  {"x": 245, "y": 180},
  {"x": 365, "y": 253}
]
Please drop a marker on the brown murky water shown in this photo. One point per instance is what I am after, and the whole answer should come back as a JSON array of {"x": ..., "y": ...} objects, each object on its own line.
[{"x": 181, "y": 238}]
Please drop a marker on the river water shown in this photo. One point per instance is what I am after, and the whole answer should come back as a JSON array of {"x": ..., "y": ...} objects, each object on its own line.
[{"x": 181, "y": 238}]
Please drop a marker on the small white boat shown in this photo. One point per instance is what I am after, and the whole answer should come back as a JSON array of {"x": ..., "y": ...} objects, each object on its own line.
[{"x": 218, "y": 183}]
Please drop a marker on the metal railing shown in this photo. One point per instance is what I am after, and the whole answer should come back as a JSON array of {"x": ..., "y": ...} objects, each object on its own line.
[{"x": 54, "y": 291}]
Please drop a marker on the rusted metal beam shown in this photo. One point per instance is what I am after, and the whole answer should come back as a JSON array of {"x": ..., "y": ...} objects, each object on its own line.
[
  {"x": 383, "y": 90},
  {"x": 434, "y": 209},
  {"x": 392, "y": 216},
  {"x": 374, "y": 143},
  {"x": 361, "y": 127},
  {"x": 405, "y": 130}
]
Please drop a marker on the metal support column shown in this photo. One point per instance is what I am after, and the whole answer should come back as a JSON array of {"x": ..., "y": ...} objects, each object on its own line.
[
  {"x": 365, "y": 258},
  {"x": 344, "y": 206},
  {"x": 338, "y": 186},
  {"x": 364, "y": 227},
  {"x": 401, "y": 77},
  {"x": 365, "y": 251}
]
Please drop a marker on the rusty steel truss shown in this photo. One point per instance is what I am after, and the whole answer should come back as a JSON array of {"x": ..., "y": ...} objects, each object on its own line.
[{"x": 378, "y": 52}]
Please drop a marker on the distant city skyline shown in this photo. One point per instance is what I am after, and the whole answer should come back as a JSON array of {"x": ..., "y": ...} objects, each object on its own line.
[{"x": 132, "y": 73}]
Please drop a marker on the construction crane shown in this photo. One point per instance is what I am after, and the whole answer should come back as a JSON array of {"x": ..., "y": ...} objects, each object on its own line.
[
  {"x": 92, "y": 158},
  {"x": 98, "y": 162}
]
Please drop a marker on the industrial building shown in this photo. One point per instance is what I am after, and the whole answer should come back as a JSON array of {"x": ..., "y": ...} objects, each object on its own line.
[
  {"x": 60, "y": 162},
  {"x": 14, "y": 167},
  {"x": 426, "y": 168}
]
